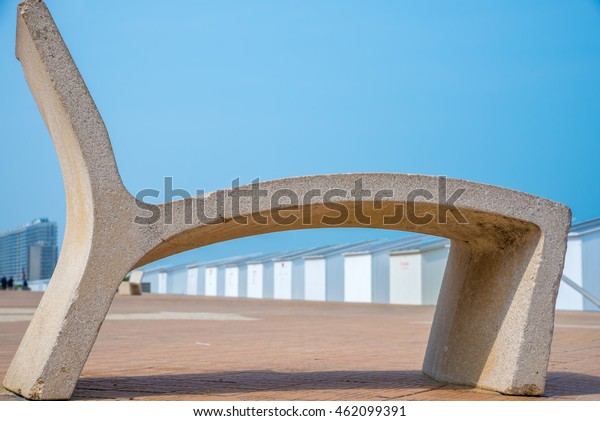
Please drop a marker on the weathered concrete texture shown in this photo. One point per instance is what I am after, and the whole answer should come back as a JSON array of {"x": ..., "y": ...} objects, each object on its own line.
[{"x": 494, "y": 321}]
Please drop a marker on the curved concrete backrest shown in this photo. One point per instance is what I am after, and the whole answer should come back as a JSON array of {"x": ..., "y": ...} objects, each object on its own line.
[{"x": 494, "y": 320}]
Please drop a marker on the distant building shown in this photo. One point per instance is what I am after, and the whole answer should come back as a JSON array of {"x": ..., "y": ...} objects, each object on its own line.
[
  {"x": 30, "y": 249},
  {"x": 582, "y": 266}
]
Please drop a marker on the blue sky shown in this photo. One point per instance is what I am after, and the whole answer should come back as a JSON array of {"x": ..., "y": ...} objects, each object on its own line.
[{"x": 500, "y": 92}]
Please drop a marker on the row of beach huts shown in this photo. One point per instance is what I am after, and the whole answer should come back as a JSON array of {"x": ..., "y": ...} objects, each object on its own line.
[{"x": 404, "y": 271}]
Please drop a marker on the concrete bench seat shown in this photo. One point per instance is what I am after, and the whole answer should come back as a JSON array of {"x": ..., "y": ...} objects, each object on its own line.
[{"x": 495, "y": 314}]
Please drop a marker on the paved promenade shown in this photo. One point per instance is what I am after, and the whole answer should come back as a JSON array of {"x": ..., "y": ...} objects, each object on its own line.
[{"x": 169, "y": 347}]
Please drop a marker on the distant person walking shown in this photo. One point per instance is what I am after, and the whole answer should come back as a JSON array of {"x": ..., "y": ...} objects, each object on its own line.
[
  {"x": 11, "y": 283},
  {"x": 4, "y": 283},
  {"x": 24, "y": 285}
]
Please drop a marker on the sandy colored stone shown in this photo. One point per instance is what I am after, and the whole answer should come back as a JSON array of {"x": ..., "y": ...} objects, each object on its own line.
[{"x": 494, "y": 320}]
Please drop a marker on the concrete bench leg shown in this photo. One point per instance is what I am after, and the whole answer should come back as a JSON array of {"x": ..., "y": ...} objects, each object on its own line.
[
  {"x": 65, "y": 325},
  {"x": 493, "y": 319},
  {"x": 495, "y": 315}
]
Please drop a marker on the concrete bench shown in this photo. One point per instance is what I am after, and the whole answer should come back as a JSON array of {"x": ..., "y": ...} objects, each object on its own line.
[{"x": 495, "y": 314}]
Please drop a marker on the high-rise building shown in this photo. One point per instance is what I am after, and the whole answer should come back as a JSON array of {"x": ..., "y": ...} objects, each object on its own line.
[{"x": 29, "y": 249}]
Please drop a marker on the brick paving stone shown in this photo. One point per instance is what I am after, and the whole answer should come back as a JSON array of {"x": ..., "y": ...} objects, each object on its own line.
[{"x": 294, "y": 350}]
